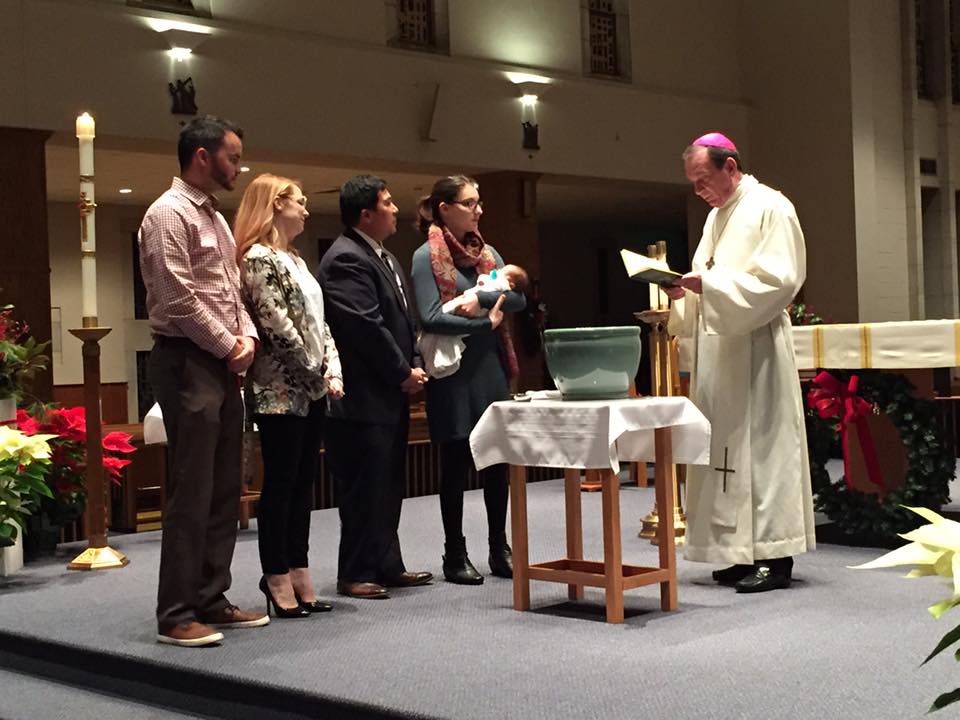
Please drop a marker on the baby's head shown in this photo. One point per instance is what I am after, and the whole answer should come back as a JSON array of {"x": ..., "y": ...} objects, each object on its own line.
[{"x": 516, "y": 276}]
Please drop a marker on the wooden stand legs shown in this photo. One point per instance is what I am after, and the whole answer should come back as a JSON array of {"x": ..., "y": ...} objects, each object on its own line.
[
  {"x": 518, "y": 523},
  {"x": 611, "y": 574}
]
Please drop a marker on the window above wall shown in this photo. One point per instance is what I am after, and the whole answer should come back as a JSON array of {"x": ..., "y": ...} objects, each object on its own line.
[
  {"x": 196, "y": 8},
  {"x": 605, "y": 28},
  {"x": 418, "y": 25}
]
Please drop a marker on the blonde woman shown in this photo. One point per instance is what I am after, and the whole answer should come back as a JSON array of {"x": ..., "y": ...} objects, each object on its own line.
[{"x": 295, "y": 366}]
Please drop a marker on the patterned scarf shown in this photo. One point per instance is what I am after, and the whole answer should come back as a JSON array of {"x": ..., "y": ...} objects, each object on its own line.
[{"x": 446, "y": 255}]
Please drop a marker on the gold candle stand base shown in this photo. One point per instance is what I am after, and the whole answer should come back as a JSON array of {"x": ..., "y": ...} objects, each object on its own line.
[
  {"x": 102, "y": 558},
  {"x": 651, "y": 523},
  {"x": 661, "y": 381}
]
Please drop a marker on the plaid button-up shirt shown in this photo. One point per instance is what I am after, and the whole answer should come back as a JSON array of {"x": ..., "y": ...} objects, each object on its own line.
[{"x": 189, "y": 267}]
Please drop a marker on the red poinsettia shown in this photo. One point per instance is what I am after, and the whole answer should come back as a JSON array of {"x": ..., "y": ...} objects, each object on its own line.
[{"x": 68, "y": 453}]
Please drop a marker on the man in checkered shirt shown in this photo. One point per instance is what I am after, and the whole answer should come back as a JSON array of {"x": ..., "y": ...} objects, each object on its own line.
[{"x": 203, "y": 339}]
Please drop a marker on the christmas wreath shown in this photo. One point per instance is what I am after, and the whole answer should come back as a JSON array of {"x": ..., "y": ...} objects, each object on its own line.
[{"x": 835, "y": 406}]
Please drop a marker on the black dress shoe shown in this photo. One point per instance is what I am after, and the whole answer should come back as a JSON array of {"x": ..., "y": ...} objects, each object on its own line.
[
  {"x": 732, "y": 574},
  {"x": 317, "y": 606},
  {"x": 409, "y": 579},
  {"x": 363, "y": 590},
  {"x": 767, "y": 575},
  {"x": 279, "y": 610}
]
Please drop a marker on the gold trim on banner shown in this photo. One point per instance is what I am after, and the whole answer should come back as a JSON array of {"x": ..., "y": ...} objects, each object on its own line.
[
  {"x": 865, "y": 350},
  {"x": 817, "y": 348},
  {"x": 956, "y": 343}
]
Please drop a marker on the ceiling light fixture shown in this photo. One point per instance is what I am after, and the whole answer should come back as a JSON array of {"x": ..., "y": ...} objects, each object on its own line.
[
  {"x": 125, "y": 191},
  {"x": 244, "y": 169}
]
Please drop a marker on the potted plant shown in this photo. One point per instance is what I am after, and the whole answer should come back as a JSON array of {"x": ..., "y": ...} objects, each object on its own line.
[
  {"x": 24, "y": 462},
  {"x": 21, "y": 356},
  {"x": 67, "y": 430}
]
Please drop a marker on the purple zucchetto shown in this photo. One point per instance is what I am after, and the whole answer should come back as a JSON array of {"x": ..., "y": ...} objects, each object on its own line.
[{"x": 715, "y": 139}]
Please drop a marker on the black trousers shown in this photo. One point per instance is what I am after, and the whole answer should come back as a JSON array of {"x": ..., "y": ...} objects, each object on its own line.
[
  {"x": 203, "y": 418},
  {"x": 367, "y": 462},
  {"x": 290, "y": 445},
  {"x": 456, "y": 462}
]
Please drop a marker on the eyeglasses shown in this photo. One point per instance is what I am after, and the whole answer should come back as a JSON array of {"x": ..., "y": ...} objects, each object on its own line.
[
  {"x": 301, "y": 201},
  {"x": 470, "y": 204}
]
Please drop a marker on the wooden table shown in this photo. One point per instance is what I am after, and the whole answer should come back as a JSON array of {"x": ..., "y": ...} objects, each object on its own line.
[{"x": 536, "y": 434}]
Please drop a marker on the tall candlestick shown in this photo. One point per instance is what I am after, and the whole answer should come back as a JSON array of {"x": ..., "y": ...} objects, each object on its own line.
[
  {"x": 88, "y": 237},
  {"x": 664, "y": 301},
  {"x": 654, "y": 290}
]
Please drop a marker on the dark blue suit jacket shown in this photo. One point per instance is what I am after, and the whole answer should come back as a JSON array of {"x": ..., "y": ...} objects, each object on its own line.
[{"x": 375, "y": 333}]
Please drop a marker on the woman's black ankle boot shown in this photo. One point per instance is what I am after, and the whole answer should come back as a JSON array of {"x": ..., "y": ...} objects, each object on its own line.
[
  {"x": 457, "y": 567},
  {"x": 501, "y": 557}
]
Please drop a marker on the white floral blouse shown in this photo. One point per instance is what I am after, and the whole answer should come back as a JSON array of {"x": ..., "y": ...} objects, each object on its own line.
[{"x": 287, "y": 373}]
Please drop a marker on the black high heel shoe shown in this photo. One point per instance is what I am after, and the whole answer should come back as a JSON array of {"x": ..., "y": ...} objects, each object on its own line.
[
  {"x": 317, "y": 606},
  {"x": 281, "y": 612}
]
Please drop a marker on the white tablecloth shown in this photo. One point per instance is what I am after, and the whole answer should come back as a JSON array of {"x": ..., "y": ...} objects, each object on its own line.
[
  {"x": 588, "y": 433},
  {"x": 888, "y": 345}
]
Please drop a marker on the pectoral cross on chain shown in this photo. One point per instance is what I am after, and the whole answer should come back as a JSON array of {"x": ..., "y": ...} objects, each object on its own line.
[{"x": 725, "y": 470}]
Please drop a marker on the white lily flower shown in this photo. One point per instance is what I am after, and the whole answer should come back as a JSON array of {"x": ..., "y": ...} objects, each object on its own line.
[{"x": 934, "y": 548}]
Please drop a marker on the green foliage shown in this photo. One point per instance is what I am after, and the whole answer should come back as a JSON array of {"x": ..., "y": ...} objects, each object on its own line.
[
  {"x": 930, "y": 464},
  {"x": 24, "y": 463},
  {"x": 21, "y": 356},
  {"x": 801, "y": 315}
]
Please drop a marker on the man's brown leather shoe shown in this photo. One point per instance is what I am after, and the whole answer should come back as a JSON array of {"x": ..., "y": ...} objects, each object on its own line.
[
  {"x": 409, "y": 579},
  {"x": 368, "y": 590},
  {"x": 190, "y": 634},
  {"x": 233, "y": 617}
]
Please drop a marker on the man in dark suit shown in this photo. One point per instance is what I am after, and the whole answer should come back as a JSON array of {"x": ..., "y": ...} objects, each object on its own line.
[{"x": 366, "y": 299}]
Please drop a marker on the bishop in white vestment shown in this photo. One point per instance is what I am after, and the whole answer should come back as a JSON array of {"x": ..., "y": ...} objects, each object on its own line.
[{"x": 752, "y": 505}]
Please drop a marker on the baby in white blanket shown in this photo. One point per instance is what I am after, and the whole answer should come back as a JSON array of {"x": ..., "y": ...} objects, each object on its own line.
[{"x": 442, "y": 353}]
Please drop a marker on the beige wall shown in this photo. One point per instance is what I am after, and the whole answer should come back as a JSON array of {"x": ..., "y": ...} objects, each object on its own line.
[
  {"x": 353, "y": 96},
  {"x": 800, "y": 134},
  {"x": 883, "y": 265}
]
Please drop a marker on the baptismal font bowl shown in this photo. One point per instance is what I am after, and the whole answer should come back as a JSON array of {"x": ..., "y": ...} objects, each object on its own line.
[{"x": 593, "y": 363}]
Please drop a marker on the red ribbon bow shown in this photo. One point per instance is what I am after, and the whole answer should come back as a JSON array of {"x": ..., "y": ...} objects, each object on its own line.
[{"x": 833, "y": 399}]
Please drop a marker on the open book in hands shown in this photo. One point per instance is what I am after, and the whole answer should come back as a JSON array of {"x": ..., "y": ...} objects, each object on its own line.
[{"x": 647, "y": 269}]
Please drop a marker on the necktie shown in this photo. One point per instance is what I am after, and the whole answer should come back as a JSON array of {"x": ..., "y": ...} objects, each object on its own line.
[{"x": 396, "y": 278}]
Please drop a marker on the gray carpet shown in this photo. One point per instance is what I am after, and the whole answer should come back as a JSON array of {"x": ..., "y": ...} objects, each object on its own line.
[
  {"x": 30, "y": 698},
  {"x": 840, "y": 643}
]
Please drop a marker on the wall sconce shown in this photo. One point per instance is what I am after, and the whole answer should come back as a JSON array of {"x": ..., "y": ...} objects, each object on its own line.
[
  {"x": 183, "y": 37},
  {"x": 528, "y": 121},
  {"x": 530, "y": 87}
]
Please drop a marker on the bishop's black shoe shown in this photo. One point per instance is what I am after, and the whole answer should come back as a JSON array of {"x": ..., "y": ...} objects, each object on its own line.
[
  {"x": 773, "y": 574},
  {"x": 732, "y": 574}
]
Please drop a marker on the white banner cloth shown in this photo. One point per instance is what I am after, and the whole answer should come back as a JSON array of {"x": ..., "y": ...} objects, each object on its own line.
[
  {"x": 887, "y": 345},
  {"x": 588, "y": 433}
]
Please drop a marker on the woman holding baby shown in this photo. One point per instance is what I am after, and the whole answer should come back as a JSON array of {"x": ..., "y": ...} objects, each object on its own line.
[{"x": 474, "y": 359}]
